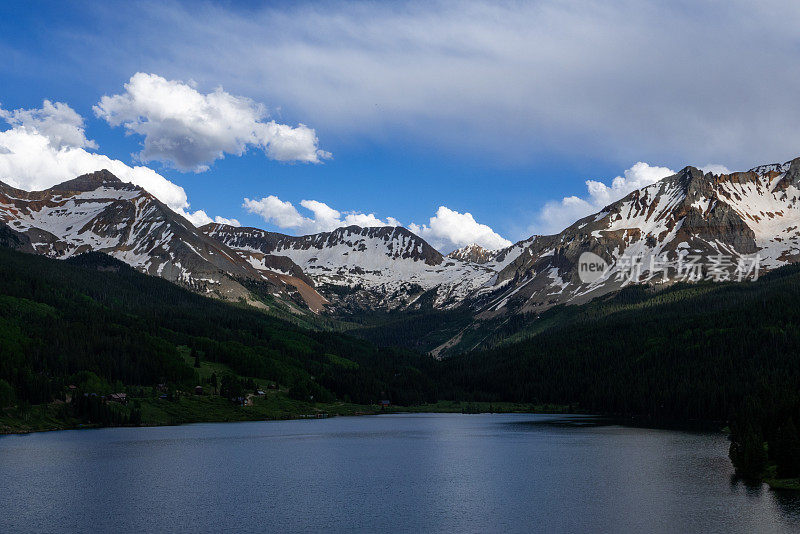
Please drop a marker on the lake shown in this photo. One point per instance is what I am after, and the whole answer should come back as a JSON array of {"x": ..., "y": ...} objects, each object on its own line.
[{"x": 392, "y": 473}]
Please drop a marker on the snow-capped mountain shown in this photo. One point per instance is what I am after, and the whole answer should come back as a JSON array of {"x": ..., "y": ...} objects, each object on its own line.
[
  {"x": 715, "y": 221},
  {"x": 364, "y": 268},
  {"x": 98, "y": 212},
  {"x": 737, "y": 216}
]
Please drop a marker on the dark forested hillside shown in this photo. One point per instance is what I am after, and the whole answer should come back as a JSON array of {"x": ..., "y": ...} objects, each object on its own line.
[
  {"x": 685, "y": 352},
  {"x": 60, "y": 320}
]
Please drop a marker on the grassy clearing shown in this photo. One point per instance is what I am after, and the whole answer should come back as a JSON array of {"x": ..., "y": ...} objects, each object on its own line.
[{"x": 40, "y": 418}]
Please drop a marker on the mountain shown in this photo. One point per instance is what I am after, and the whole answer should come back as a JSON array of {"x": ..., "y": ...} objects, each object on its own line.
[
  {"x": 732, "y": 217},
  {"x": 690, "y": 216},
  {"x": 687, "y": 352},
  {"x": 365, "y": 268},
  {"x": 98, "y": 212}
]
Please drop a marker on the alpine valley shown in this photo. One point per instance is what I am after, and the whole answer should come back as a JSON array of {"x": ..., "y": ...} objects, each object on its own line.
[
  {"x": 109, "y": 295},
  {"x": 372, "y": 281}
]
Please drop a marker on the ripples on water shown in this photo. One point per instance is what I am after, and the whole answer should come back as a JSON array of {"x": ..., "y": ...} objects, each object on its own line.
[{"x": 413, "y": 473}]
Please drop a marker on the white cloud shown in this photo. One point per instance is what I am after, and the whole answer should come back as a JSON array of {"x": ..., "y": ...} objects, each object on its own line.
[
  {"x": 557, "y": 215},
  {"x": 189, "y": 129},
  {"x": 61, "y": 124},
  {"x": 715, "y": 168},
  {"x": 366, "y": 220},
  {"x": 275, "y": 211},
  {"x": 446, "y": 231},
  {"x": 499, "y": 80},
  {"x": 34, "y": 164},
  {"x": 322, "y": 218},
  {"x": 223, "y": 220},
  {"x": 201, "y": 218},
  {"x": 37, "y": 153},
  {"x": 449, "y": 229}
]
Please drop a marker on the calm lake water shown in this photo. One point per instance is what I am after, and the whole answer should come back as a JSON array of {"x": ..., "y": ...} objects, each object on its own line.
[{"x": 410, "y": 473}]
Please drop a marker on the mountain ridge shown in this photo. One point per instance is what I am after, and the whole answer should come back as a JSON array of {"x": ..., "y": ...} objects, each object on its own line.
[
  {"x": 364, "y": 268},
  {"x": 353, "y": 270},
  {"x": 99, "y": 212},
  {"x": 736, "y": 214}
]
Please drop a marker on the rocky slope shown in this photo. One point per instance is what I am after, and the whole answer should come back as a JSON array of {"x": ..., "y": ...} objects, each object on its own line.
[
  {"x": 472, "y": 253},
  {"x": 685, "y": 227},
  {"x": 98, "y": 212},
  {"x": 365, "y": 268}
]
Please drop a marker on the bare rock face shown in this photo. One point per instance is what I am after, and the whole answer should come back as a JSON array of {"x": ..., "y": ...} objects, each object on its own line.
[
  {"x": 14, "y": 240},
  {"x": 473, "y": 253},
  {"x": 360, "y": 269},
  {"x": 89, "y": 182}
]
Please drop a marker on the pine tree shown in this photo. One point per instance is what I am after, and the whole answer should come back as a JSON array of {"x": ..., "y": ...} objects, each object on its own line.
[{"x": 785, "y": 450}]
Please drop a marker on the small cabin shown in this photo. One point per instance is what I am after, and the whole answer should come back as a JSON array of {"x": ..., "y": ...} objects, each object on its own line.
[
  {"x": 122, "y": 398},
  {"x": 384, "y": 404},
  {"x": 198, "y": 390}
]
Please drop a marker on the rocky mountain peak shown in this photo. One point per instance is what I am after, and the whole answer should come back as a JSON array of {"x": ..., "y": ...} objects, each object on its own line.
[
  {"x": 88, "y": 182},
  {"x": 400, "y": 242},
  {"x": 473, "y": 253}
]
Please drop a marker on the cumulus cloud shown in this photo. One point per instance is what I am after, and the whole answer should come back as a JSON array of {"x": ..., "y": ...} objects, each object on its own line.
[
  {"x": 38, "y": 153},
  {"x": 61, "y": 124},
  {"x": 557, "y": 215},
  {"x": 322, "y": 218},
  {"x": 450, "y": 229},
  {"x": 189, "y": 130},
  {"x": 33, "y": 163},
  {"x": 201, "y": 218},
  {"x": 447, "y": 230}
]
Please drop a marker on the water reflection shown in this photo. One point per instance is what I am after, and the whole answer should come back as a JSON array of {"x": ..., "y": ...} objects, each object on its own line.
[
  {"x": 788, "y": 504},
  {"x": 512, "y": 473}
]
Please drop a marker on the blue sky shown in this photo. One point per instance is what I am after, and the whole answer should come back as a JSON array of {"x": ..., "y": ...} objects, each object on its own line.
[{"x": 501, "y": 110}]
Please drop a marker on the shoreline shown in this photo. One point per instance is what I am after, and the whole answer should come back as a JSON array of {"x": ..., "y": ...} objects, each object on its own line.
[{"x": 191, "y": 409}]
